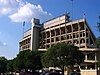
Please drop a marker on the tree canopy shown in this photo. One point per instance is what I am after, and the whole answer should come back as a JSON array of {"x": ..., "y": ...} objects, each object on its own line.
[
  {"x": 10, "y": 67},
  {"x": 61, "y": 55},
  {"x": 98, "y": 24},
  {"x": 3, "y": 63},
  {"x": 27, "y": 60},
  {"x": 97, "y": 41}
]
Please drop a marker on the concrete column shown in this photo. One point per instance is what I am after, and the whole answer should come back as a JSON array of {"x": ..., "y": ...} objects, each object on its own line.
[
  {"x": 35, "y": 34},
  {"x": 85, "y": 33},
  {"x": 95, "y": 56},
  {"x": 95, "y": 66},
  {"x": 42, "y": 39},
  {"x": 85, "y": 56},
  {"x": 50, "y": 37},
  {"x": 60, "y": 34},
  {"x": 72, "y": 31},
  {"x": 86, "y": 67},
  {"x": 79, "y": 34},
  {"x": 59, "y": 30},
  {"x": 45, "y": 39},
  {"x": 55, "y": 35},
  {"x": 66, "y": 32}
]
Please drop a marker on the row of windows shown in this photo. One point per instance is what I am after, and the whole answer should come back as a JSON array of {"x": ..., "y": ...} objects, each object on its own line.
[
  {"x": 63, "y": 30},
  {"x": 47, "y": 43},
  {"x": 27, "y": 41},
  {"x": 74, "y": 41},
  {"x": 64, "y": 37},
  {"x": 69, "y": 36},
  {"x": 25, "y": 47}
]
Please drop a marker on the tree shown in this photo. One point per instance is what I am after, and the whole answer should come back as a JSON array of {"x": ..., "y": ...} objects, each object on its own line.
[
  {"x": 98, "y": 42},
  {"x": 10, "y": 67},
  {"x": 61, "y": 55},
  {"x": 98, "y": 24},
  {"x": 27, "y": 60},
  {"x": 3, "y": 63}
]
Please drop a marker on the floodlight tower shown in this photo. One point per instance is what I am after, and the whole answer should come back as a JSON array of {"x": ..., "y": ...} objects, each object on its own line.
[{"x": 23, "y": 28}]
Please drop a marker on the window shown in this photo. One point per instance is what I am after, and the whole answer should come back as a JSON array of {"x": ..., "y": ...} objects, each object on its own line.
[
  {"x": 63, "y": 30},
  {"x": 68, "y": 29},
  {"x": 48, "y": 34},
  {"x": 81, "y": 26},
  {"x": 48, "y": 40},
  {"x": 52, "y": 33},
  {"x": 62, "y": 37},
  {"x": 82, "y": 41},
  {"x": 57, "y": 38},
  {"x": 52, "y": 39},
  {"x": 57, "y": 32},
  {"x": 75, "y": 27}
]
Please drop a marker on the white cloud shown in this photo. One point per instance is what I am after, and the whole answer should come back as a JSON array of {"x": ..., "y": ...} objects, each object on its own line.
[
  {"x": 27, "y": 12},
  {"x": 8, "y": 6},
  {"x": 18, "y": 10}
]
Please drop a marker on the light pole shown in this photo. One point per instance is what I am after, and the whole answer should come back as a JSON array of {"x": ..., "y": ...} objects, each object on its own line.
[{"x": 23, "y": 28}]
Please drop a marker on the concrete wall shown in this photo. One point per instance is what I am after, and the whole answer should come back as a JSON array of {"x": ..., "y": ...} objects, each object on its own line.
[{"x": 88, "y": 72}]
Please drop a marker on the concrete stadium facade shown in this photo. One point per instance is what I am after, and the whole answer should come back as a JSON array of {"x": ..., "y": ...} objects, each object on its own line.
[{"x": 62, "y": 30}]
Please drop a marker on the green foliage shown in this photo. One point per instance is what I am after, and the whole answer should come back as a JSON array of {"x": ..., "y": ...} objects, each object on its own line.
[
  {"x": 97, "y": 41},
  {"x": 10, "y": 67},
  {"x": 3, "y": 63},
  {"x": 27, "y": 60},
  {"x": 61, "y": 55},
  {"x": 98, "y": 24}
]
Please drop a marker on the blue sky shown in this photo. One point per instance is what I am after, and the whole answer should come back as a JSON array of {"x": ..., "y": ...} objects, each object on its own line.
[{"x": 14, "y": 12}]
